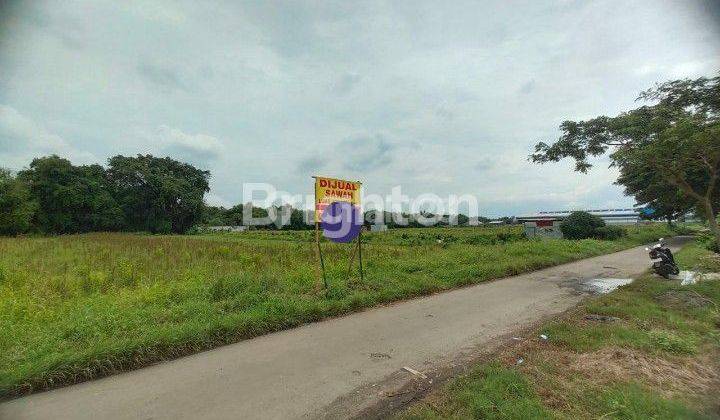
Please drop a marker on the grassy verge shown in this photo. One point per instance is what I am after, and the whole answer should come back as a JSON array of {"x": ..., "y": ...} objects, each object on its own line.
[
  {"x": 82, "y": 306},
  {"x": 657, "y": 359}
]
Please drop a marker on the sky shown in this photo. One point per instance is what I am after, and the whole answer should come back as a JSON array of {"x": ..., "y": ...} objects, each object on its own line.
[{"x": 436, "y": 97}]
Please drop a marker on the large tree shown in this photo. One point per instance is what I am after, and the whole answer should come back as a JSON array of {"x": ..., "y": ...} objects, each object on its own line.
[
  {"x": 70, "y": 198},
  {"x": 662, "y": 200},
  {"x": 159, "y": 195},
  {"x": 17, "y": 206},
  {"x": 672, "y": 142}
]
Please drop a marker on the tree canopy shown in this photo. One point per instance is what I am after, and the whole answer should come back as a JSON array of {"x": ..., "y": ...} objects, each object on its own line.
[
  {"x": 667, "y": 151},
  {"x": 142, "y": 193},
  {"x": 160, "y": 195},
  {"x": 16, "y": 205},
  {"x": 71, "y": 198}
]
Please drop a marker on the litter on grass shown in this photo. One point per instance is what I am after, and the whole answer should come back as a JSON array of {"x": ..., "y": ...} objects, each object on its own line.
[
  {"x": 601, "y": 318},
  {"x": 603, "y": 286},
  {"x": 685, "y": 277},
  {"x": 691, "y": 277},
  {"x": 415, "y": 372}
]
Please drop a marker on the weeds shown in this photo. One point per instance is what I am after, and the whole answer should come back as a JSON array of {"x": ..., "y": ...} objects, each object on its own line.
[{"x": 490, "y": 392}]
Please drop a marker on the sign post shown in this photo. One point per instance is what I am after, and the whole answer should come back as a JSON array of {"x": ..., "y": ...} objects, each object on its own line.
[
  {"x": 319, "y": 252},
  {"x": 359, "y": 241},
  {"x": 341, "y": 200}
]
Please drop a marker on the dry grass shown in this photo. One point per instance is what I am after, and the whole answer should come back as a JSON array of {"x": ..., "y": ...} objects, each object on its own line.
[
  {"x": 672, "y": 377},
  {"x": 561, "y": 375}
]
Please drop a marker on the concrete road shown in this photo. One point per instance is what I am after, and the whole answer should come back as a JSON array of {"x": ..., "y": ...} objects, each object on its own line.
[{"x": 298, "y": 372}]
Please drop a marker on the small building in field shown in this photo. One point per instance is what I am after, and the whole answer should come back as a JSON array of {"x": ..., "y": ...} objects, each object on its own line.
[{"x": 544, "y": 227}]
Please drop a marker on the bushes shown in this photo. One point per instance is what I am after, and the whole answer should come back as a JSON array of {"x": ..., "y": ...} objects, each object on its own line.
[
  {"x": 581, "y": 225},
  {"x": 708, "y": 241},
  {"x": 610, "y": 233}
]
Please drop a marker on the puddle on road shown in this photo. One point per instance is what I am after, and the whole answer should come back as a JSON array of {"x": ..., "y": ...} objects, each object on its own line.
[{"x": 602, "y": 286}]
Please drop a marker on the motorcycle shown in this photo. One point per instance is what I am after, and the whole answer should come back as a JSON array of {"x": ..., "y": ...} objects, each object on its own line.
[{"x": 663, "y": 260}]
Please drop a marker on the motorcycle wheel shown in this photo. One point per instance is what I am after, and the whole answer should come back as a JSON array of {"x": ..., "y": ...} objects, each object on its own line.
[{"x": 662, "y": 270}]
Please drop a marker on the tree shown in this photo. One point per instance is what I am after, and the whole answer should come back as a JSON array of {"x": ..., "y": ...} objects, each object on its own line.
[
  {"x": 160, "y": 195},
  {"x": 70, "y": 198},
  {"x": 674, "y": 141},
  {"x": 689, "y": 156},
  {"x": 298, "y": 220},
  {"x": 650, "y": 189},
  {"x": 234, "y": 215},
  {"x": 260, "y": 213},
  {"x": 101, "y": 211},
  {"x": 17, "y": 207},
  {"x": 462, "y": 220},
  {"x": 214, "y": 216}
]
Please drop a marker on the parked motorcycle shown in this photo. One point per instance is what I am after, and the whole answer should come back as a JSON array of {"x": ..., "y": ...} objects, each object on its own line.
[{"x": 663, "y": 260}]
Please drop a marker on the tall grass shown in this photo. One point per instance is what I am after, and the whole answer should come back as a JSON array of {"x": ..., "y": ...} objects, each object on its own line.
[{"x": 81, "y": 306}]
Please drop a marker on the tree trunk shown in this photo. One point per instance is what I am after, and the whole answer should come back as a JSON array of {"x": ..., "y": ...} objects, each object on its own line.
[{"x": 712, "y": 221}]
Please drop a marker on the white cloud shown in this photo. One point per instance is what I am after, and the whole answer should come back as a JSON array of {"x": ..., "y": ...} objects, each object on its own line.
[
  {"x": 22, "y": 139},
  {"x": 215, "y": 200},
  {"x": 458, "y": 92},
  {"x": 200, "y": 149},
  {"x": 19, "y": 132}
]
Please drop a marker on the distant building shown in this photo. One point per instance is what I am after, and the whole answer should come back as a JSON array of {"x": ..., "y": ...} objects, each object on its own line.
[
  {"x": 610, "y": 216},
  {"x": 378, "y": 228},
  {"x": 547, "y": 223},
  {"x": 548, "y": 228},
  {"x": 226, "y": 228}
]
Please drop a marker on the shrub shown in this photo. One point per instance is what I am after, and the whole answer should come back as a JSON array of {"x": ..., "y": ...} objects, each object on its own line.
[
  {"x": 610, "y": 233},
  {"x": 708, "y": 241},
  {"x": 580, "y": 225},
  {"x": 195, "y": 230}
]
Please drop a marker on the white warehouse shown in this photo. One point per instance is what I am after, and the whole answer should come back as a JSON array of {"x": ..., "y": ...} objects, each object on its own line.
[
  {"x": 547, "y": 223},
  {"x": 610, "y": 216}
]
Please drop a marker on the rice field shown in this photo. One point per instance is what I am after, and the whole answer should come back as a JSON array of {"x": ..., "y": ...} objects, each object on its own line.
[{"x": 82, "y": 306}]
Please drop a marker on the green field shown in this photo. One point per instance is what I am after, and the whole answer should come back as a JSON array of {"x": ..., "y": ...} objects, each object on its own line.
[{"x": 82, "y": 306}]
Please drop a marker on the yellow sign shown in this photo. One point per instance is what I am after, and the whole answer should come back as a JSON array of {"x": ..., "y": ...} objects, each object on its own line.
[{"x": 328, "y": 190}]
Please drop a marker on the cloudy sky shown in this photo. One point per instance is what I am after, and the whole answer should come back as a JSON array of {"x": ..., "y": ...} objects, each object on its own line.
[{"x": 439, "y": 97}]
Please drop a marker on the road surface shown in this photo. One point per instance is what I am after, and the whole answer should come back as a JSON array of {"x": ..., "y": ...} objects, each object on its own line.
[{"x": 299, "y": 373}]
